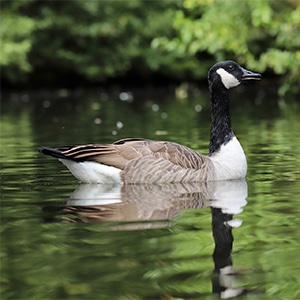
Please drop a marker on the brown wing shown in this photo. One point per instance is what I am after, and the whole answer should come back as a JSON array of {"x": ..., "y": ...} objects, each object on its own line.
[
  {"x": 143, "y": 160},
  {"x": 121, "y": 152}
]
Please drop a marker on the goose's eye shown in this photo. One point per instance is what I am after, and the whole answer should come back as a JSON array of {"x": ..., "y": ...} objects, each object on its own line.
[{"x": 231, "y": 67}]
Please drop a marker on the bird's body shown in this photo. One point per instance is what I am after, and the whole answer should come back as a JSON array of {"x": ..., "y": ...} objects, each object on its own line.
[{"x": 146, "y": 161}]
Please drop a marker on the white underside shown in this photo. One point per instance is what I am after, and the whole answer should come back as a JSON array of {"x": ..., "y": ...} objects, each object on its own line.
[
  {"x": 92, "y": 172},
  {"x": 230, "y": 161}
]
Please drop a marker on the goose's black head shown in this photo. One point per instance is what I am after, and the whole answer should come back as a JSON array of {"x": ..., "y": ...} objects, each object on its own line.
[{"x": 228, "y": 74}]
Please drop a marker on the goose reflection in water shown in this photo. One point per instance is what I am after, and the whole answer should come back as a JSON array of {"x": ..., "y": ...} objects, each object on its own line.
[{"x": 148, "y": 206}]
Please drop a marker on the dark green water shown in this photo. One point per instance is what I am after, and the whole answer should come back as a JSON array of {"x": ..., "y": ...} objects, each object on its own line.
[{"x": 62, "y": 240}]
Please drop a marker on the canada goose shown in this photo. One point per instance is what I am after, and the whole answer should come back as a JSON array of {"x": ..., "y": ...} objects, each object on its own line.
[{"x": 135, "y": 160}]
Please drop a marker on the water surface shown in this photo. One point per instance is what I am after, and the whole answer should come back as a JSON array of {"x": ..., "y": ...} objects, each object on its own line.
[{"x": 64, "y": 240}]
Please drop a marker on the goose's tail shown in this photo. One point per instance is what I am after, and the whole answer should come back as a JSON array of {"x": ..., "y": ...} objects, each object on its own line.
[{"x": 57, "y": 153}]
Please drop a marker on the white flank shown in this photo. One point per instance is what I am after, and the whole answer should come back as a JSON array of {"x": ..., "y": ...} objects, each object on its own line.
[
  {"x": 92, "y": 172},
  {"x": 230, "y": 161},
  {"x": 228, "y": 79}
]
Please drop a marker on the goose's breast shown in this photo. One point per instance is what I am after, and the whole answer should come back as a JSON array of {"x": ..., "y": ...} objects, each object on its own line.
[{"x": 230, "y": 161}]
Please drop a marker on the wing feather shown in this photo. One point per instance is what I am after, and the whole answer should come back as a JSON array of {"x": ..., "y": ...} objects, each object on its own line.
[{"x": 141, "y": 158}]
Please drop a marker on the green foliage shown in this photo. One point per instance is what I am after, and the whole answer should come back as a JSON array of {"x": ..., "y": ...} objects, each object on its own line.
[
  {"x": 95, "y": 39},
  {"x": 263, "y": 35},
  {"x": 98, "y": 40},
  {"x": 16, "y": 43}
]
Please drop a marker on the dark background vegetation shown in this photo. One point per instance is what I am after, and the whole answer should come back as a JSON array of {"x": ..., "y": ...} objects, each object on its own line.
[{"x": 92, "y": 43}]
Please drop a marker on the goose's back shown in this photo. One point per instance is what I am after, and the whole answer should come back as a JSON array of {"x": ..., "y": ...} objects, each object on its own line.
[{"x": 162, "y": 161}]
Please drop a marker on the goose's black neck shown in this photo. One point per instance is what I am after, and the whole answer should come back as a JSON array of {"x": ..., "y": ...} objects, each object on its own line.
[{"x": 220, "y": 132}]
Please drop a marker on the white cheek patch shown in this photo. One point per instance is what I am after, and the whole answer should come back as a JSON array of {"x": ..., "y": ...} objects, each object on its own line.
[{"x": 228, "y": 79}]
